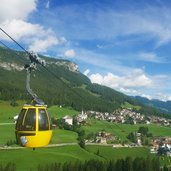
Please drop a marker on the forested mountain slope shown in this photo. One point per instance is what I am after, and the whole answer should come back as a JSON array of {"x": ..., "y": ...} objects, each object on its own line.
[
  {"x": 68, "y": 87},
  {"x": 164, "y": 106}
]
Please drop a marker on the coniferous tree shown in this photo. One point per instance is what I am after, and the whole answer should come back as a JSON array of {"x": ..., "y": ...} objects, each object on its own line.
[
  {"x": 128, "y": 164},
  {"x": 119, "y": 165},
  {"x": 111, "y": 166}
]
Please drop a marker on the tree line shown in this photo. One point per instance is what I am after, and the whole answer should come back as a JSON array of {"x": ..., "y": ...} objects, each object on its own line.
[{"x": 128, "y": 164}]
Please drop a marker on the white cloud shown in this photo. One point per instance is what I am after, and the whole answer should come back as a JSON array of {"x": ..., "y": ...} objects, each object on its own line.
[
  {"x": 136, "y": 79},
  {"x": 13, "y": 19},
  {"x": 150, "y": 57},
  {"x": 150, "y": 22},
  {"x": 86, "y": 72},
  {"x": 128, "y": 91},
  {"x": 146, "y": 96},
  {"x": 69, "y": 53},
  {"x": 134, "y": 92},
  {"x": 47, "y": 4},
  {"x": 41, "y": 45},
  {"x": 34, "y": 35},
  {"x": 102, "y": 61},
  {"x": 163, "y": 97},
  {"x": 136, "y": 83},
  {"x": 16, "y": 9},
  {"x": 63, "y": 40},
  {"x": 19, "y": 29},
  {"x": 96, "y": 78}
]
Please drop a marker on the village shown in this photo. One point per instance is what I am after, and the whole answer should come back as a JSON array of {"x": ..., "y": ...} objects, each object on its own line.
[
  {"x": 124, "y": 116},
  {"x": 128, "y": 116},
  {"x": 158, "y": 145}
]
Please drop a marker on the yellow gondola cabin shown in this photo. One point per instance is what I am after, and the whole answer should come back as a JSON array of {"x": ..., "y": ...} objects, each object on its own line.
[{"x": 33, "y": 127}]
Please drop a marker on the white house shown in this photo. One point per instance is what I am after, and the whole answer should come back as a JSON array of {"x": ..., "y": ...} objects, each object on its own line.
[
  {"x": 68, "y": 119},
  {"x": 15, "y": 118},
  {"x": 148, "y": 122}
]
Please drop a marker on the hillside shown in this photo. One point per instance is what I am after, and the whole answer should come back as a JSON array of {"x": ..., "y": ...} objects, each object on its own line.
[
  {"x": 72, "y": 152},
  {"x": 164, "y": 106},
  {"x": 68, "y": 87}
]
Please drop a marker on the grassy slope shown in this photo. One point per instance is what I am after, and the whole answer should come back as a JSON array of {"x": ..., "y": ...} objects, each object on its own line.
[
  {"x": 128, "y": 105},
  {"x": 110, "y": 153},
  {"x": 32, "y": 158},
  {"x": 7, "y": 112},
  {"x": 122, "y": 130},
  {"x": 63, "y": 136},
  {"x": 27, "y": 159},
  {"x": 7, "y": 133},
  {"x": 58, "y": 112}
]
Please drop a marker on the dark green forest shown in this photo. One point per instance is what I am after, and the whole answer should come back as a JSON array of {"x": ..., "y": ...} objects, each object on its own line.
[
  {"x": 60, "y": 86},
  {"x": 127, "y": 164}
]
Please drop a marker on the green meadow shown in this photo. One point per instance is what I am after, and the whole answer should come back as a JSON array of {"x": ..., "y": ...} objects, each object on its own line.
[
  {"x": 63, "y": 136},
  {"x": 110, "y": 153},
  {"x": 128, "y": 105},
  {"x": 7, "y": 112},
  {"x": 122, "y": 130},
  {"x": 59, "y": 112},
  {"x": 7, "y": 132},
  {"x": 27, "y": 159}
]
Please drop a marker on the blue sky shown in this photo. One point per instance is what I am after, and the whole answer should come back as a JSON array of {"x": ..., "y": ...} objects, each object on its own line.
[{"x": 123, "y": 44}]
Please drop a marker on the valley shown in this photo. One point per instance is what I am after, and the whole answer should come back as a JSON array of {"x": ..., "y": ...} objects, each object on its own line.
[{"x": 71, "y": 153}]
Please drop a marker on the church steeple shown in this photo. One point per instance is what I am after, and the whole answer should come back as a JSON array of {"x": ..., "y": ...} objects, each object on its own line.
[{"x": 82, "y": 113}]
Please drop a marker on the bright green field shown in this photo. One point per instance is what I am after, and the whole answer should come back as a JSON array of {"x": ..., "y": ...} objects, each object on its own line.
[
  {"x": 128, "y": 105},
  {"x": 7, "y": 112},
  {"x": 122, "y": 130},
  {"x": 63, "y": 136},
  {"x": 7, "y": 133},
  {"x": 26, "y": 159},
  {"x": 58, "y": 112},
  {"x": 110, "y": 153}
]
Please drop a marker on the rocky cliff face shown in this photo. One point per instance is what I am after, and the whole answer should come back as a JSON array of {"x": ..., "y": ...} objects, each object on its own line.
[
  {"x": 11, "y": 66},
  {"x": 67, "y": 64},
  {"x": 73, "y": 67},
  {"x": 14, "y": 60}
]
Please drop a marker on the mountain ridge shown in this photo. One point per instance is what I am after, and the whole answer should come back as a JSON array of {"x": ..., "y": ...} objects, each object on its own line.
[
  {"x": 69, "y": 86},
  {"x": 164, "y": 106}
]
